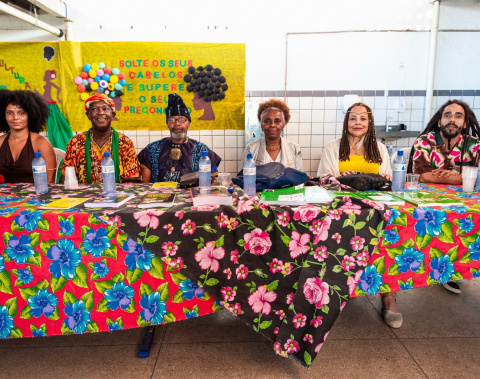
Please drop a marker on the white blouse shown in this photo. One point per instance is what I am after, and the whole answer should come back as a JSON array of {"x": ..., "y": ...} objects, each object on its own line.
[{"x": 290, "y": 154}]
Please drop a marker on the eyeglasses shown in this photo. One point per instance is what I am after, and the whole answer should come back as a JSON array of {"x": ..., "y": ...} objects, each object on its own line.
[{"x": 173, "y": 120}]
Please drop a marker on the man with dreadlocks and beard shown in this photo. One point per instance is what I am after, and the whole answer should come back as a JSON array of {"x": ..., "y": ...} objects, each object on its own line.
[{"x": 449, "y": 142}]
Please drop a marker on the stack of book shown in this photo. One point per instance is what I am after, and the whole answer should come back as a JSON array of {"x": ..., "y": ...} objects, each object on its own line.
[{"x": 216, "y": 195}]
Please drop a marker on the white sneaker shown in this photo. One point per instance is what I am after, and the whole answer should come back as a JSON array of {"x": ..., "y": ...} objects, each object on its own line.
[{"x": 452, "y": 287}]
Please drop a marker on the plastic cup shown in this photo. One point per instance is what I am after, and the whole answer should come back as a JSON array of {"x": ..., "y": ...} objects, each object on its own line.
[
  {"x": 412, "y": 181},
  {"x": 71, "y": 181},
  {"x": 224, "y": 179},
  {"x": 469, "y": 176}
]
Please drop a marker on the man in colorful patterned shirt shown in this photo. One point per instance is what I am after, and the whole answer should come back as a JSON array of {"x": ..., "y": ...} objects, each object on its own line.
[
  {"x": 449, "y": 142},
  {"x": 168, "y": 159},
  {"x": 100, "y": 138}
]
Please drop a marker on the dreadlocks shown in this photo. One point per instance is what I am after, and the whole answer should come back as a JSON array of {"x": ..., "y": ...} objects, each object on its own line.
[
  {"x": 472, "y": 127},
  {"x": 372, "y": 154}
]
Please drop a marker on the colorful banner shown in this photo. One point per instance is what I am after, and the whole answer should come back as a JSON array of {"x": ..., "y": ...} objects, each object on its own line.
[{"x": 138, "y": 76}]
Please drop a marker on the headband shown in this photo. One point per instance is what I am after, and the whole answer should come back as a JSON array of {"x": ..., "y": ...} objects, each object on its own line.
[{"x": 99, "y": 97}]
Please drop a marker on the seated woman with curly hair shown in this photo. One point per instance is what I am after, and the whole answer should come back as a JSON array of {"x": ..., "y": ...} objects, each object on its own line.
[
  {"x": 23, "y": 115},
  {"x": 273, "y": 116}
]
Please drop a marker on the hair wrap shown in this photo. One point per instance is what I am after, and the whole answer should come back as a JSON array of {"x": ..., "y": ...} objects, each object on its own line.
[{"x": 98, "y": 97}]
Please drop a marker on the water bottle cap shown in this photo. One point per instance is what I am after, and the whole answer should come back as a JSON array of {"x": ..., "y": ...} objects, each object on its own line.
[
  {"x": 106, "y": 154},
  {"x": 249, "y": 156},
  {"x": 37, "y": 154},
  {"x": 204, "y": 153},
  {"x": 400, "y": 153}
]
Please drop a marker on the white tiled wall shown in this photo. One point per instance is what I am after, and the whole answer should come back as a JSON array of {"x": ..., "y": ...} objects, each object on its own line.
[{"x": 314, "y": 122}]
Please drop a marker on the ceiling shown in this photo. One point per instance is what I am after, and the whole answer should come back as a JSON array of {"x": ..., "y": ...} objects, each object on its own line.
[{"x": 25, "y": 6}]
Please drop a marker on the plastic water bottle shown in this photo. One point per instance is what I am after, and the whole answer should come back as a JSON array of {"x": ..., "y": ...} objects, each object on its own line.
[
  {"x": 205, "y": 171},
  {"x": 399, "y": 171},
  {"x": 249, "y": 176},
  {"x": 108, "y": 174},
  {"x": 39, "y": 169}
]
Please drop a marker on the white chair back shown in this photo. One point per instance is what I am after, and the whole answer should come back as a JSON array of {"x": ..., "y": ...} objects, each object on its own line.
[{"x": 59, "y": 154}]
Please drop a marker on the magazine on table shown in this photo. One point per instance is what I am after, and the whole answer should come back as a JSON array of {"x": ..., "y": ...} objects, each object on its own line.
[
  {"x": 216, "y": 195},
  {"x": 284, "y": 196},
  {"x": 109, "y": 200},
  {"x": 382, "y": 197},
  {"x": 165, "y": 184},
  {"x": 427, "y": 199},
  {"x": 315, "y": 194},
  {"x": 157, "y": 200},
  {"x": 65, "y": 203}
]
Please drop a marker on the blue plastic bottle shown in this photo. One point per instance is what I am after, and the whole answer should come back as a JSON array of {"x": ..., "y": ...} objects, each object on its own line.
[
  {"x": 399, "y": 171},
  {"x": 249, "y": 176},
  {"x": 39, "y": 169},
  {"x": 108, "y": 174},
  {"x": 205, "y": 171}
]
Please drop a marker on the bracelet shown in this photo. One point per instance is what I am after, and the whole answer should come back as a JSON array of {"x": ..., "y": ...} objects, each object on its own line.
[{"x": 51, "y": 169}]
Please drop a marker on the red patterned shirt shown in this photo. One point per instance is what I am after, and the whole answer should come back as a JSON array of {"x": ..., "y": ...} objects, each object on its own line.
[{"x": 75, "y": 157}]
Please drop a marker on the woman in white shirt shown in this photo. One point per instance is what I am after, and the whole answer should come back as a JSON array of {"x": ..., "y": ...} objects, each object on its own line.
[
  {"x": 359, "y": 151},
  {"x": 273, "y": 116}
]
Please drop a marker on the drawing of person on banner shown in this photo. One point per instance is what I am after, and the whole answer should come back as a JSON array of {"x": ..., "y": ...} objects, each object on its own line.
[
  {"x": 47, "y": 88},
  {"x": 117, "y": 101},
  {"x": 207, "y": 84},
  {"x": 58, "y": 128},
  {"x": 199, "y": 104}
]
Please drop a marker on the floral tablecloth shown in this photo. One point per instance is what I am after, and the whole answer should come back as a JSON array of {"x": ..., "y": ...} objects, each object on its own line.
[
  {"x": 281, "y": 270},
  {"x": 424, "y": 246}
]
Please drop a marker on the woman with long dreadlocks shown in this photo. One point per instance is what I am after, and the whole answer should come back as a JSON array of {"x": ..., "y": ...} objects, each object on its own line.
[
  {"x": 449, "y": 142},
  {"x": 358, "y": 149}
]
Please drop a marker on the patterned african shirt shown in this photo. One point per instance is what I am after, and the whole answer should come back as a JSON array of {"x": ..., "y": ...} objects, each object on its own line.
[
  {"x": 156, "y": 157},
  {"x": 430, "y": 152},
  {"x": 75, "y": 156}
]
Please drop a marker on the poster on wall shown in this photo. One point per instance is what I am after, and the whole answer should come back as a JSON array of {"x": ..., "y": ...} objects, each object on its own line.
[{"x": 138, "y": 76}]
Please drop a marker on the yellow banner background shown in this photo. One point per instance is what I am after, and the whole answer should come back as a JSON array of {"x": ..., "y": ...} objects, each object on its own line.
[{"x": 152, "y": 70}]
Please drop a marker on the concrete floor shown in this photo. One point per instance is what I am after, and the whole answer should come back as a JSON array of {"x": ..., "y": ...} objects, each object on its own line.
[{"x": 440, "y": 338}]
